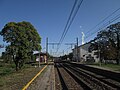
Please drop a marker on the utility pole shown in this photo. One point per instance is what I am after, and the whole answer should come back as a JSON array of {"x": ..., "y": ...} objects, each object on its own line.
[
  {"x": 39, "y": 58},
  {"x": 63, "y": 52},
  {"x": 77, "y": 49},
  {"x": 47, "y": 48},
  {"x": 118, "y": 48},
  {"x": 99, "y": 53},
  {"x": 53, "y": 44},
  {"x": 47, "y": 43}
]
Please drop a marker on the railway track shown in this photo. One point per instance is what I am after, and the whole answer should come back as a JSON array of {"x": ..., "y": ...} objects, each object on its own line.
[
  {"x": 95, "y": 81},
  {"x": 76, "y": 78},
  {"x": 69, "y": 82}
]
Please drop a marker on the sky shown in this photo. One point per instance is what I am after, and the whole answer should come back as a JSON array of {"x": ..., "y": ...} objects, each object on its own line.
[{"x": 49, "y": 17}]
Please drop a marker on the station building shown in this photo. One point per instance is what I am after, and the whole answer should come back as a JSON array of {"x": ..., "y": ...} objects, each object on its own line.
[
  {"x": 41, "y": 56},
  {"x": 82, "y": 54}
]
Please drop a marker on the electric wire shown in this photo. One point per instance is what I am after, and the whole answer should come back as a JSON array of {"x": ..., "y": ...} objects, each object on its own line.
[
  {"x": 68, "y": 20},
  {"x": 103, "y": 26},
  {"x": 67, "y": 28},
  {"x": 102, "y": 21},
  {"x": 72, "y": 19}
]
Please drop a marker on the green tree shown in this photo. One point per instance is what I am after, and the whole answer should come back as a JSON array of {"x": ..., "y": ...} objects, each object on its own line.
[
  {"x": 23, "y": 39},
  {"x": 114, "y": 33},
  {"x": 108, "y": 41},
  {"x": 70, "y": 56},
  {"x": 64, "y": 57}
]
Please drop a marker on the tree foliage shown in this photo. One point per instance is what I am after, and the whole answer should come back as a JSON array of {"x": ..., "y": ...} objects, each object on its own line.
[
  {"x": 108, "y": 42},
  {"x": 64, "y": 57},
  {"x": 23, "y": 39},
  {"x": 70, "y": 56}
]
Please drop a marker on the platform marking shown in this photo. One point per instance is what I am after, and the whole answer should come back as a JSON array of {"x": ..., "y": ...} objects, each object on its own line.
[{"x": 27, "y": 85}]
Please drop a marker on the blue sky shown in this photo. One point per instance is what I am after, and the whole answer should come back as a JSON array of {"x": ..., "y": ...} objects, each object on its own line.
[{"x": 50, "y": 16}]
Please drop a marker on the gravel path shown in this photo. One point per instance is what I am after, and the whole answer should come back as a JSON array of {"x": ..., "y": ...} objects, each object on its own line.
[{"x": 46, "y": 81}]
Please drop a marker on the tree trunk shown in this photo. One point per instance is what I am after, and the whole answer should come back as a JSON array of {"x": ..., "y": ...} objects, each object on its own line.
[
  {"x": 20, "y": 64},
  {"x": 16, "y": 64}
]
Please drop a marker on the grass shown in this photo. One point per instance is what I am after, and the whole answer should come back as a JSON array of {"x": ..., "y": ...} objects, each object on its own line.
[
  {"x": 113, "y": 67},
  {"x": 12, "y": 80},
  {"x": 6, "y": 69}
]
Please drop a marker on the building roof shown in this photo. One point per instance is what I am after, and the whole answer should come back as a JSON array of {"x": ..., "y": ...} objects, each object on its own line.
[{"x": 82, "y": 45}]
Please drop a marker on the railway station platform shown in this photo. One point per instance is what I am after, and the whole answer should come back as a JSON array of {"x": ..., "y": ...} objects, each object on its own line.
[{"x": 45, "y": 81}]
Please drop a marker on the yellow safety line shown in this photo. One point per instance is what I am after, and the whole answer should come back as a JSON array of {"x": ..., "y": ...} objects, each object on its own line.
[{"x": 26, "y": 86}]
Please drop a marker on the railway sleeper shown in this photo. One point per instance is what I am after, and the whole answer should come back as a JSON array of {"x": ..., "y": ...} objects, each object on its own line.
[
  {"x": 90, "y": 81},
  {"x": 104, "y": 79}
]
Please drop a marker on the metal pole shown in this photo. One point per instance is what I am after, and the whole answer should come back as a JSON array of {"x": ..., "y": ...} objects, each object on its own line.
[
  {"x": 99, "y": 53},
  {"x": 118, "y": 48},
  {"x": 63, "y": 52},
  {"x": 39, "y": 58},
  {"x": 47, "y": 48},
  {"x": 77, "y": 49}
]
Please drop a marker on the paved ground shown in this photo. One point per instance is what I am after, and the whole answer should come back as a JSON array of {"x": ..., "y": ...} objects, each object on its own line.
[{"x": 46, "y": 81}]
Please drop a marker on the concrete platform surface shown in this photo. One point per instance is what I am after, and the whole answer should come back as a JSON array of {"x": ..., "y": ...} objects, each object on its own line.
[{"x": 45, "y": 81}]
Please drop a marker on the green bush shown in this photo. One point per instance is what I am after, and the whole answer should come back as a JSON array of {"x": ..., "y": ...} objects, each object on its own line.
[
  {"x": 1, "y": 65},
  {"x": 6, "y": 69}
]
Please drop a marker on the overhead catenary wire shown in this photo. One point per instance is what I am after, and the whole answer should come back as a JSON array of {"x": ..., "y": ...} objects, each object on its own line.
[
  {"x": 72, "y": 19},
  {"x": 102, "y": 21},
  {"x": 103, "y": 26},
  {"x": 69, "y": 22}
]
